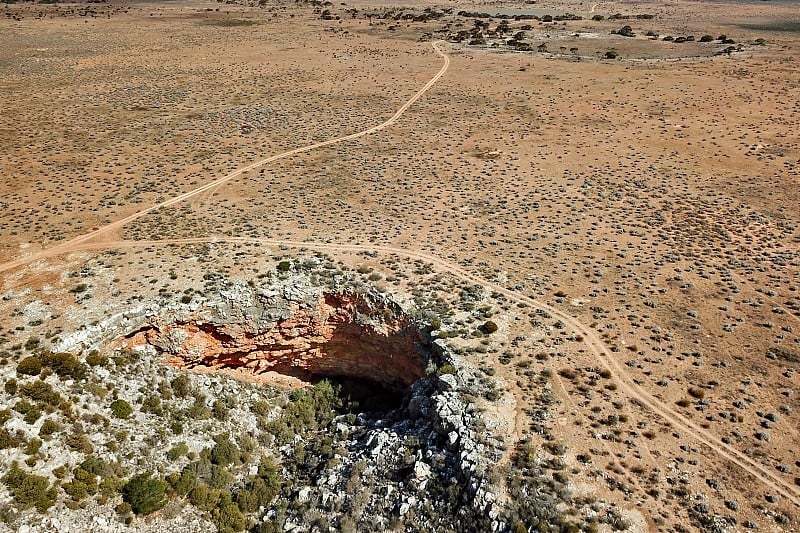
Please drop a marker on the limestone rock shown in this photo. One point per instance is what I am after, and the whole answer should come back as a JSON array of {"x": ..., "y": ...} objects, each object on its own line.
[{"x": 299, "y": 331}]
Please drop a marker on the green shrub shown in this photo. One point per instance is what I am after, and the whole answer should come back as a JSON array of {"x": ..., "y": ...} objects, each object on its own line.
[
  {"x": 182, "y": 386},
  {"x": 224, "y": 452},
  {"x": 95, "y": 358},
  {"x": 60, "y": 363},
  {"x": 212, "y": 475},
  {"x": 97, "y": 466},
  {"x": 270, "y": 472},
  {"x": 24, "y": 407},
  {"x": 198, "y": 410},
  {"x": 258, "y": 492},
  {"x": 30, "y": 412},
  {"x": 220, "y": 410},
  {"x": 183, "y": 483},
  {"x": 144, "y": 494},
  {"x": 33, "y": 446},
  {"x": 219, "y": 478},
  {"x": 227, "y": 516},
  {"x": 29, "y": 489},
  {"x": 80, "y": 372},
  {"x": 9, "y": 440},
  {"x": 152, "y": 404},
  {"x": 82, "y": 485},
  {"x": 49, "y": 426},
  {"x": 61, "y": 471},
  {"x": 177, "y": 451},
  {"x": 11, "y": 386},
  {"x": 446, "y": 369},
  {"x": 111, "y": 486},
  {"x": 261, "y": 407},
  {"x": 32, "y": 416},
  {"x": 280, "y": 431},
  {"x": 30, "y": 366},
  {"x": 78, "y": 441},
  {"x": 284, "y": 266},
  {"x": 39, "y": 391},
  {"x": 121, "y": 409},
  {"x": 489, "y": 327},
  {"x": 205, "y": 498},
  {"x": 165, "y": 390}
]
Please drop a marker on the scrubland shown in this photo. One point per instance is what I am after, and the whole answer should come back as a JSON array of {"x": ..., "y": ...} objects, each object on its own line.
[{"x": 652, "y": 197}]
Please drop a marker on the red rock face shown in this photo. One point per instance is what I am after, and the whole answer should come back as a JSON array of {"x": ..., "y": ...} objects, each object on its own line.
[{"x": 339, "y": 337}]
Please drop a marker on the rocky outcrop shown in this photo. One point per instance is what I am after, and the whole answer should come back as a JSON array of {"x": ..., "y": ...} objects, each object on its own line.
[
  {"x": 296, "y": 332},
  {"x": 428, "y": 454}
]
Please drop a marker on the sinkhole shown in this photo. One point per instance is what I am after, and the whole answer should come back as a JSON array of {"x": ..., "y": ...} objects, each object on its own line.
[{"x": 367, "y": 345}]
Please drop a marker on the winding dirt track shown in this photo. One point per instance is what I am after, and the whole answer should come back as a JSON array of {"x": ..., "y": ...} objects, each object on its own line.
[
  {"x": 591, "y": 339},
  {"x": 73, "y": 244}
]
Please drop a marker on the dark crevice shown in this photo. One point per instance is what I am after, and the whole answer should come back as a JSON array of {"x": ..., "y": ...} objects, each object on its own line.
[{"x": 370, "y": 397}]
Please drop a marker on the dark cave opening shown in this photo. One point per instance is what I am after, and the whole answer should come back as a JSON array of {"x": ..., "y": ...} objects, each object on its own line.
[{"x": 367, "y": 397}]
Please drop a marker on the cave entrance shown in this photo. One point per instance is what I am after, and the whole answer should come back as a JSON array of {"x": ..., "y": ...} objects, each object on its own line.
[
  {"x": 370, "y": 398},
  {"x": 369, "y": 347},
  {"x": 358, "y": 394}
]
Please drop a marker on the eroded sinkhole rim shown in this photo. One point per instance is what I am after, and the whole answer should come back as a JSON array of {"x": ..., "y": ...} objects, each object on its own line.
[{"x": 345, "y": 337}]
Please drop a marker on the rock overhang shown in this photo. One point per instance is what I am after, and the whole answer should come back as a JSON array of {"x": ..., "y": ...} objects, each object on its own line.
[{"x": 298, "y": 332}]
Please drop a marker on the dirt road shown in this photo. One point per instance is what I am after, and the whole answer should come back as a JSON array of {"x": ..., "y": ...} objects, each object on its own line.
[{"x": 73, "y": 244}]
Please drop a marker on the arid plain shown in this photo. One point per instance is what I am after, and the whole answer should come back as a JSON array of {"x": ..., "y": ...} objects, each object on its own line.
[{"x": 647, "y": 204}]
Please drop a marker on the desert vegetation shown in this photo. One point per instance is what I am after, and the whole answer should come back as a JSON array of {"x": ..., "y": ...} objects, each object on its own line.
[{"x": 639, "y": 182}]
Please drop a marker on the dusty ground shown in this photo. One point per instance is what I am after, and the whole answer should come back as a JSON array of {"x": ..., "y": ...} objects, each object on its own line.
[{"x": 653, "y": 198}]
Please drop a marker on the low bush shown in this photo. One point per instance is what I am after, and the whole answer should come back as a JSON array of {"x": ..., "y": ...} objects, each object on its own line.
[
  {"x": 95, "y": 358},
  {"x": 121, "y": 409},
  {"x": 224, "y": 452},
  {"x": 30, "y": 366},
  {"x": 144, "y": 494},
  {"x": 446, "y": 369},
  {"x": 28, "y": 489},
  {"x": 177, "y": 451},
  {"x": 181, "y": 386},
  {"x": 83, "y": 484},
  {"x": 489, "y": 327},
  {"x": 39, "y": 391}
]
